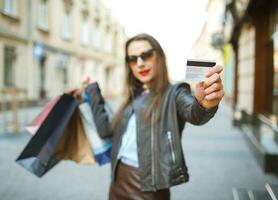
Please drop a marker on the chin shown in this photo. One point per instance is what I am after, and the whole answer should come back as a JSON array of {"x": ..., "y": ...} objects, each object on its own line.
[{"x": 146, "y": 81}]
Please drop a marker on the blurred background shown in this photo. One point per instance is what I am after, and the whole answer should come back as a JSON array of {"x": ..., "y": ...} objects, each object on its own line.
[{"x": 49, "y": 46}]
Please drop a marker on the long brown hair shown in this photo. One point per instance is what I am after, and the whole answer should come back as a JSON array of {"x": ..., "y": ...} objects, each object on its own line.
[{"x": 134, "y": 86}]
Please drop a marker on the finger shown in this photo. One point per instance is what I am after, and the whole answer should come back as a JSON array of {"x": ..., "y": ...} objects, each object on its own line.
[
  {"x": 199, "y": 90},
  {"x": 199, "y": 84},
  {"x": 72, "y": 91},
  {"x": 86, "y": 80},
  {"x": 215, "y": 95},
  {"x": 216, "y": 69},
  {"x": 77, "y": 94},
  {"x": 214, "y": 87},
  {"x": 212, "y": 79}
]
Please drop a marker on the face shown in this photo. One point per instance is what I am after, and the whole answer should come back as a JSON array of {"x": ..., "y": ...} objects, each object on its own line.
[{"x": 142, "y": 60}]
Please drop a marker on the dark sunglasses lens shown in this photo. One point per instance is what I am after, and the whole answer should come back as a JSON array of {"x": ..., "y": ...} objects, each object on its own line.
[
  {"x": 132, "y": 59},
  {"x": 147, "y": 54},
  {"x": 144, "y": 56}
]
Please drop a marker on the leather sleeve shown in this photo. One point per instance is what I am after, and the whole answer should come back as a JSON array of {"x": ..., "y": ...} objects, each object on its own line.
[
  {"x": 100, "y": 113},
  {"x": 189, "y": 109}
]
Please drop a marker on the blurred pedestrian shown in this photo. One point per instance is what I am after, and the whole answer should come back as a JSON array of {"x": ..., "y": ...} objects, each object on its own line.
[{"x": 147, "y": 157}]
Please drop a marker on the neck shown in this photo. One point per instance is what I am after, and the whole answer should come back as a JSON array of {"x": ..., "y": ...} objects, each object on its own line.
[{"x": 147, "y": 86}]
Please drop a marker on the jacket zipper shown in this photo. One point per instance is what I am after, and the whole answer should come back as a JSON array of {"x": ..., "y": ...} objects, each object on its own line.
[
  {"x": 170, "y": 138},
  {"x": 153, "y": 151}
]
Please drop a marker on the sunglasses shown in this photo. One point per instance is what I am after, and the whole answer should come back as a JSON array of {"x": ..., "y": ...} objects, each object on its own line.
[{"x": 132, "y": 60}]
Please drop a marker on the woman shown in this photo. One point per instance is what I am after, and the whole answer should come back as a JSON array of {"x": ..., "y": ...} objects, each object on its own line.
[{"x": 147, "y": 157}]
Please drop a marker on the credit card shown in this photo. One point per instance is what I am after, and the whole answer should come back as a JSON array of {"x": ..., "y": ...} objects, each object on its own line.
[{"x": 196, "y": 70}]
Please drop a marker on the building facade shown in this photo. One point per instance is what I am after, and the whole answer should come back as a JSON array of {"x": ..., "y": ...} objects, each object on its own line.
[
  {"x": 48, "y": 46},
  {"x": 242, "y": 36},
  {"x": 250, "y": 31},
  {"x": 209, "y": 44}
]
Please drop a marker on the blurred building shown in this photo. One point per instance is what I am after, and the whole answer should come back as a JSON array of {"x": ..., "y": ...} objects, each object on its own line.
[
  {"x": 209, "y": 44},
  {"x": 48, "y": 46},
  {"x": 251, "y": 49},
  {"x": 242, "y": 35}
]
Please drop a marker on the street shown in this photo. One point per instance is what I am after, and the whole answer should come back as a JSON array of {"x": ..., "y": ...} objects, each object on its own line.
[{"x": 216, "y": 154}]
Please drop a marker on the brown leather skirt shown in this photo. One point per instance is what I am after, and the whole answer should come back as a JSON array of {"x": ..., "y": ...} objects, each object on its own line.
[{"x": 127, "y": 186}]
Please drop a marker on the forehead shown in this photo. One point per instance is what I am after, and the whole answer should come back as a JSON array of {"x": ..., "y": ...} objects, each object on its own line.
[{"x": 137, "y": 47}]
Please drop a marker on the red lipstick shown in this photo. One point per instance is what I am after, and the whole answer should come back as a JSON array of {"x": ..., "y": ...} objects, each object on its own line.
[{"x": 144, "y": 72}]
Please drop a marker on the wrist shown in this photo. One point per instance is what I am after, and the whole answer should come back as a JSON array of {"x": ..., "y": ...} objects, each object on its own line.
[{"x": 206, "y": 105}]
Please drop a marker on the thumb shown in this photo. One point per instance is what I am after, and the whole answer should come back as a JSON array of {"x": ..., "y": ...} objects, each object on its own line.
[
  {"x": 199, "y": 90},
  {"x": 86, "y": 80},
  {"x": 199, "y": 85}
]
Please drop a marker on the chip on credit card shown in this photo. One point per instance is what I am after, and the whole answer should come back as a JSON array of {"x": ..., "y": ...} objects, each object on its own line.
[{"x": 196, "y": 70}]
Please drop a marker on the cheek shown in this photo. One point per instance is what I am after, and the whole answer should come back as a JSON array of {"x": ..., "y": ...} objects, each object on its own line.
[
  {"x": 153, "y": 64},
  {"x": 133, "y": 71},
  {"x": 154, "y": 69}
]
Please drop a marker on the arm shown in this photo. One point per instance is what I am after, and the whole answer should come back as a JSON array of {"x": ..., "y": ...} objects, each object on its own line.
[
  {"x": 203, "y": 106},
  {"x": 190, "y": 110},
  {"x": 101, "y": 116}
]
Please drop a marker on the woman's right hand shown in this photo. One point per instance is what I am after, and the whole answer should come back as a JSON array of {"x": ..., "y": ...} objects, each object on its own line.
[
  {"x": 77, "y": 91},
  {"x": 86, "y": 81},
  {"x": 74, "y": 92}
]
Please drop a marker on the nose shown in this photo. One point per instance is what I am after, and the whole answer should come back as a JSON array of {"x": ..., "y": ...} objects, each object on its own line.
[{"x": 140, "y": 62}]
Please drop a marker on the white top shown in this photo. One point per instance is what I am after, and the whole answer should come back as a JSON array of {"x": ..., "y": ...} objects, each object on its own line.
[{"x": 128, "y": 151}]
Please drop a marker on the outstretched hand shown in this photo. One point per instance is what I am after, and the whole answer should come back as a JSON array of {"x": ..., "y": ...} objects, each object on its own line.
[{"x": 210, "y": 91}]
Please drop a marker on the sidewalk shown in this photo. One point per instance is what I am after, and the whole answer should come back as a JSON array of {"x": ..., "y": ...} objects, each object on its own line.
[
  {"x": 216, "y": 154},
  {"x": 219, "y": 160}
]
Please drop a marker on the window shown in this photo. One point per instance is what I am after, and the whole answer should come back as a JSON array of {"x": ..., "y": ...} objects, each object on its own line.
[
  {"x": 85, "y": 33},
  {"x": 10, "y": 7},
  {"x": 67, "y": 20},
  {"x": 62, "y": 66},
  {"x": 115, "y": 43},
  {"x": 107, "y": 75},
  {"x": 67, "y": 26},
  {"x": 96, "y": 40},
  {"x": 43, "y": 15},
  {"x": 96, "y": 4},
  {"x": 108, "y": 43},
  {"x": 9, "y": 57}
]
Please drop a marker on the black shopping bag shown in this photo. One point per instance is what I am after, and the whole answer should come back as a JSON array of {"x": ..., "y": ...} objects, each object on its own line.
[{"x": 38, "y": 156}]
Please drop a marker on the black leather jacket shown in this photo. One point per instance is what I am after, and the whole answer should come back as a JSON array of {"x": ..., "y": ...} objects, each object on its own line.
[{"x": 160, "y": 155}]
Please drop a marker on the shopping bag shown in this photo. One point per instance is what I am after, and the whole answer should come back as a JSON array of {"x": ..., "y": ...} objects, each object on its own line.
[
  {"x": 38, "y": 120},
  {"x": 37, "y": 156},
  {"x": 74, "y": 144},
  {"x": 101, "y": 148},
  {"x": 46, "y": 148}
]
